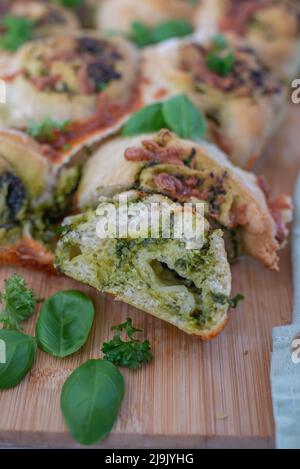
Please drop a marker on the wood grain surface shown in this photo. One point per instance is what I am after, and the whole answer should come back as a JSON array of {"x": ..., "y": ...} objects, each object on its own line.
[{"x": 193, "y": 394}]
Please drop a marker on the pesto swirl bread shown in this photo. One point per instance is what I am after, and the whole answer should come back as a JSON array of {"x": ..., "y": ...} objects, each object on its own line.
[
  {"x": 35, "y": 195},
  {"x": 118, "y": 15},
  {"x": 70, "y": 91},
  {"x": 26, "y": 189},
  {"x": 185, "y": 170},
  {"x": 24, "y": 20},
  {"x": 188, "y": 288},
  {"x": 244, "y": 104},
  {"x": 272, "y": 27}
]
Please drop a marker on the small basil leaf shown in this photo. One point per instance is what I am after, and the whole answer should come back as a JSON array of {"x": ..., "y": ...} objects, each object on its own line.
[
  {"x": 184, "y": 118},
  {"x": 19, "y": 355},
  {"x": 171, "y": 28},
  {"x": 65, "y": 322},
  {"x": 71, "y": 3},
  {"x": 141, "y": 35},
  {"x": 90, "y": 400},
  {"x": 220, "y": 63},
  {"x": 147, "y": 120}
]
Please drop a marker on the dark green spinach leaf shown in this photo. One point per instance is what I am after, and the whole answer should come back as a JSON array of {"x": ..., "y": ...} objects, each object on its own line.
[
  {"x": 90, "y": 400},
  {"x": 19, "y": 355},
  {"x": 65, "y": 322}
]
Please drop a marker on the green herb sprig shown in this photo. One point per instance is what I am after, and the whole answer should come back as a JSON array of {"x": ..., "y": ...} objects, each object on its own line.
[
  {"x": 17, "y": 31},
  {"x": 178, "y": 114},
  {"x": 131, "y": 353},
  {"x": 220, "y": 59},
  {"x": 90, "y": 400},
  {"x": 18, "y": 304},
  {"x": 232, "y": 302},
  {"x": 143, "y": 35}
]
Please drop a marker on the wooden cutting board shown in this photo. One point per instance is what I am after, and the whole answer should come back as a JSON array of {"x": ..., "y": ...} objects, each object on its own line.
[{"x": 194, "y": 394}]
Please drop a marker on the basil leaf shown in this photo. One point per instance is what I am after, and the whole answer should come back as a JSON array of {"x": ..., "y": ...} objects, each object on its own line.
[
  {"x": 220, "y": 63},
  {"x": 46, "y": 130},
  {"x": 71, "y": 3},
  {"x": 140, "y": 34},
  {"x": 19, "y": 356},
  {"x": 90, "y": 400},
  {"x": 171, "y": 28},
  {"x": 184, "y": 118},
  {"x": 65, "y": 322},
  {"x": 143, "y": 35},
  {"x": 147, "y": 120}
]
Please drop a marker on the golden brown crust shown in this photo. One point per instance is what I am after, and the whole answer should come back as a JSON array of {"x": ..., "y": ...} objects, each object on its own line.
[
  {"x": 213, "y": 333},
  {"x": 30, "y": 253}
]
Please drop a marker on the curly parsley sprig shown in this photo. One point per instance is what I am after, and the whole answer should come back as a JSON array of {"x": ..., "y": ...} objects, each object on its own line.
[
  {"x": 18, "y": 302},
  {"x": 131, "y": 353}
]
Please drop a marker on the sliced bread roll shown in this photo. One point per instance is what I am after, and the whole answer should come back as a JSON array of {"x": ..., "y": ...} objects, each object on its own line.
[
  {"x": 186, "y": 170},
  {"x": 187, "y": 286}
]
